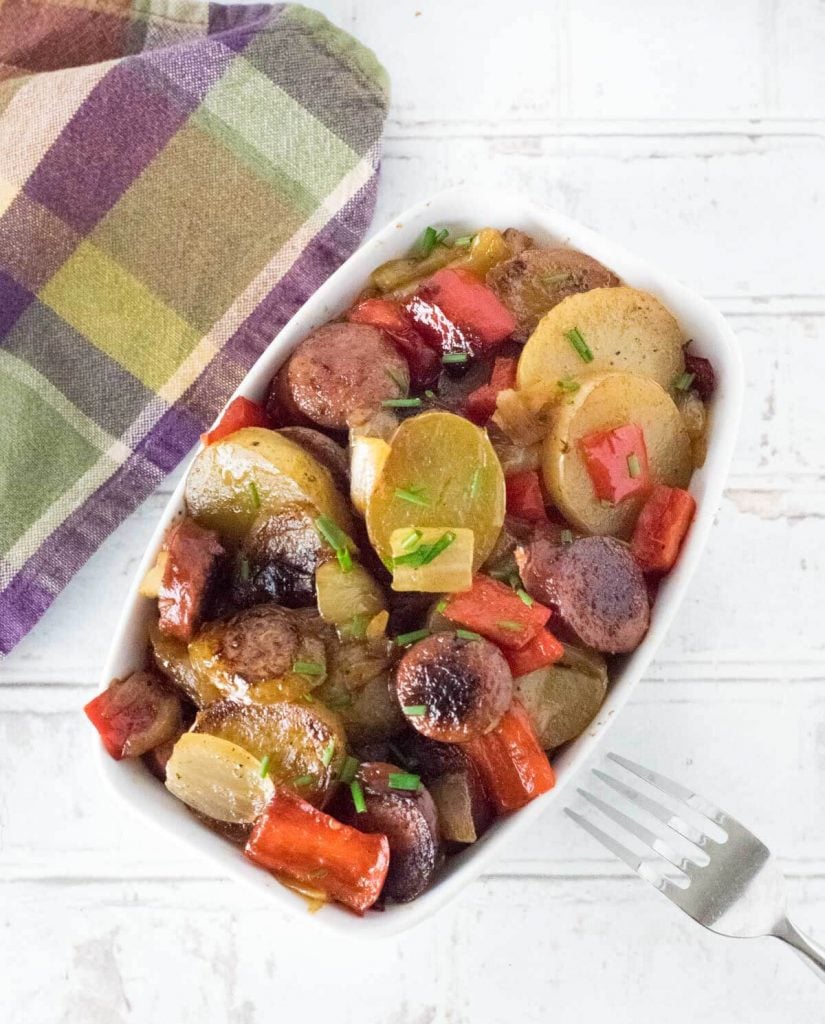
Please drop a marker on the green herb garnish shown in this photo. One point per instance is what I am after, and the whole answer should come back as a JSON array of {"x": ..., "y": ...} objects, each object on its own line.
[
  {"x": 337, "y": 540},
  {"x": 303, "y": 780},
  {"x": 429, "y": 394},
  {"x": 265, "y": 767},
  {"x": 402, "y": 387},
  {"x": 348, "y": 769},
  {"x": 243, "y": 568},
  {"x": 308, "y": 668},
  {"x": 684, "y": 381},
  {"x": 404, "y": 780},
  {"x": 579, "y": 344},
  {"x": 474, "y": 483},
  {"x": 358, "y": 796},
  {"x": 256, "y": 494},
  {"x": 430, "y": 239},
  {"x": 327, "y": 753},
  {"x": 525, "y": 597},
  {"x": 567, "y": 536},
  {"x": 454, "y": 357},
  {"x": 405, "y": 639},
  {"x": 401, "y": 403},
  {"x": 568, "y": 384},
  {"x": 467, "y": 634},
  {"x": 414, "y": 495},
  {"x": 426, "y": 553},
  {"x": 441, "y": 607},
  {"x": 463, "y": 241},
  {"x": 511, "y": 624},
  {"x": 411, "y": 540},
  {"x": 415, "y": 710},
  {"x": 633, "y": 466}
]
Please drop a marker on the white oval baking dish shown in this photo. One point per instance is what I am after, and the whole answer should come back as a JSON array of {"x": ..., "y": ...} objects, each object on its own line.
[{"x": 461, "y": 210}]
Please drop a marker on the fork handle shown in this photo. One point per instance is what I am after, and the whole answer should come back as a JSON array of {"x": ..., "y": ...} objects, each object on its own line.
[{"x": 813, "y": 953}]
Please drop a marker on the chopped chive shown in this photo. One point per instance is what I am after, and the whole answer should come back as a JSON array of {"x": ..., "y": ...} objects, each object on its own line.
[
  {"x": 684, "y": 381},
  {"x": 405, "y": 639},
  {"x": 256, "y": 494},
  {"x": 338, "y": 701},
  {"x": 358, "y": 796},
  {"x": 567, "y": 536},
  {"x": 579, "y": 344},
  {"x": 327, "y": 753},
  {"x": 426, "y": 553},
  {"x": 511, "y": 624},
  {"x": 441, "y": 236},
  {"x": 463, "y": 241},
  {"x": 414, "y": 495},
  {"x": 357, "y": 626},
  {"x": 303, "y": 780},
  {"x": 441, "y": 607},
  {"x": 633, "y": 466},
  {"x": 568, "y": 384},
  {"x": 308, "y": 698},
  {"x": 401, "y": 403},
  {"x": 411, "y": 540},
  {"x": 415, "y": 710},
  {"x": 348, "y": 769},
  {"x": 404, "y": 780},
  {"x": 388, "y": 563},
  {"x": 344, "y": 559},
  {"x": 243, "y": 569},
  {"x": 514, "y": 580},
  {"x": 525, "y": 597},
  {"x": 308, "y": 668},
  {"x": 551, "y": 279},
  {"x": 265, "y": 767},
  {"x": 454, "y": 357},
  {"x": 467, "y": 634},
  {"x": 474, "y": 483},
  {"x": 332, "y": 533},
  {"x": 427, "y": 242},
  {"x": 429, "y": 394}
]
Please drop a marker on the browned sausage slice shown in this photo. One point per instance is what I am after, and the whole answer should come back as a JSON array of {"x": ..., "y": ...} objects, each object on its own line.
[
  {"x": 458, "y": 688},
  {"x": 596, "y": 587},
  {"x": 408, "y": 819},
  {"x": 282, "y": 552},
  {"x": 338, "y": 369},
  {"x": 193, "y": 557},
  {"x": 535, "y": 280}
]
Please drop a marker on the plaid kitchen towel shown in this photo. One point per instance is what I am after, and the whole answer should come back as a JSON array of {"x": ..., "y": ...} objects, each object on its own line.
[{"x": 175, "y": 180}]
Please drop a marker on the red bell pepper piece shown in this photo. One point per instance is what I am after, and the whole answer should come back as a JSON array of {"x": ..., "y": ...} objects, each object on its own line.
[
  {"x": 544, "y": 650},
  {"x": 497, "y": 612},
  {"x": 135, "y": 715},
  {"x": 193, "y": 556},
  {"x": 617, "y": 462},
  {"x": 481, "y": 403},
  {"x": 454, "y": 309},
  {"x": 524, "y": 497},
  {"x": 661, "y": 528},
  {"x": 241, "y": 412},
  {"x": 387, "y": 315},
  {"x": 513, "y": 766},
  {"x": 301, "y": 844}
]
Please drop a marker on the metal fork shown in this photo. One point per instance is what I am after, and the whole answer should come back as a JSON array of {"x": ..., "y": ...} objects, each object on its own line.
[{"x": 729, "y": 884}]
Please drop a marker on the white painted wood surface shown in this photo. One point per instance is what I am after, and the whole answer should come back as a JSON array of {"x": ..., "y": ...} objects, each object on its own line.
[{"x": 693, "y": 133}]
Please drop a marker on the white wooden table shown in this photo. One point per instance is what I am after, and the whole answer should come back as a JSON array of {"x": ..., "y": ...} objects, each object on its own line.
[{"x": 694, "y": 134}]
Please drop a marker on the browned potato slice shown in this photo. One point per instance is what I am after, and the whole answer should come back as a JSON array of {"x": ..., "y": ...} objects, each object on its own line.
[
  {"x": 172, "y": 658},
  {"x": 357, "y": 688},
  {"x": 623, "y": 328},
  {"x": 563, "y": 699},
  {"x": 263, "y": 653},
  {"x": 256, "y": 471},
  {"x": 305, "y": 744},
  {"x": 604, "y": 401},
  {"x": 441, "y": 471},
  {"x": 536, "y": 280}
]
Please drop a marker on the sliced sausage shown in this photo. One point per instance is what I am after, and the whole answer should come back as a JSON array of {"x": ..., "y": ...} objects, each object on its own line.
[
  {"x": 261, "y": 643},
  {"x": 328, "y": 452},
  {"x": 517, "y": 241},
  {"x": 407, "y": 818},
  {"x": 595, "y": 586},
  {"x": 535, "y": 280},
  {"x": 281, "y": 552},
  {"x": 458, "y": 688},
  {"x": 135, "y": 715},
  {"x": 193, "y": 564},
  {"x": 340, "y": 368}
]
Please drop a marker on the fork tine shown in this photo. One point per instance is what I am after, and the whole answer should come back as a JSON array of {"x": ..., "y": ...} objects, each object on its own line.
[
  {"x": 656, "y": 844},
  {"x": 628, "y": 857},
  {"x": 659, "y": 811},
  {"x": 674, "y": 789}
]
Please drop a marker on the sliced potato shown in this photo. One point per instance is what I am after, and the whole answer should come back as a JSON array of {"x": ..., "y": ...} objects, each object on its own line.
[
  {"x": 305, "y": 744},
  {"x": 695, "y": 417},
  {"x": 172, "y": 657},
  {"x": 348, "y": 600},
  {"x": 217, "y": 778},
  {"x": 253, "y": 471},
  {"x": 602, "y": 402},
  {"x": 441, "y": 471},
  {"x": 562, "y": 699},
  {"x": 367, "y": 458},
  {"x": 624, "y": 329},
  {"x": 450, "y": 570}
]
